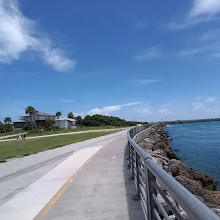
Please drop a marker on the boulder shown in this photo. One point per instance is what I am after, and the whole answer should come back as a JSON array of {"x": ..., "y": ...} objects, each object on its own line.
[
  {"x": 192, "y": 185},
  {"x": 212, "y": 197},
  {"x": 207, "y": 181}
]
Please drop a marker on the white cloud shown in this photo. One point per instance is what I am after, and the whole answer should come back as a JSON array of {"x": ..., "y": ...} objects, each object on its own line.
[
  {"x": 164, "y": 112},
  {"x": 210, "y": 35},
  {"x": 211, "y": 99},
  {"x": 19, "y": 34},
  {"x": 190, "y": 52},
  {"x": 140, "y": 25},
  {"x": 204, "y": 8},
  {"x": 200, "y": 11},
  {"x": 198, "y": 105},
  {"x": 67, "y": 100},
  {"x": 56, "y": 58},
  {"x": 203, "y": 103},
  {"x": 141, "y": 82},
  {"x": 145, "y": 111},
  {"x": 106, "y": 110},
  {"x": 149, "y": 54}
]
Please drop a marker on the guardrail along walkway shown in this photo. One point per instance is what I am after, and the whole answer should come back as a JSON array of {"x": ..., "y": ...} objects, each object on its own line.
[{"x": 161, "y": 196}]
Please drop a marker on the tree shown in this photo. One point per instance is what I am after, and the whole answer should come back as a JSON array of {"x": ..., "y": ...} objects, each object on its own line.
[
  {"x": 49, "y": 123},
  {"x": 58, "y": 114},
  {"x": 103, "y": 120},
  {"x": 7, "y": 120},
  {"x": 30, "y": 110},
  {"x": 79, "y": 120},
  {"x": 87, "y": 120},
  {"x": 70, "y": 115}
]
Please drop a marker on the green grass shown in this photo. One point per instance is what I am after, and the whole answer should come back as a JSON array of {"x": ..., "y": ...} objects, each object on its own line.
[
  {"x": 27, "y": 147},
  {"x": 60, "y": 131},
  {"x": 69, "y": 130},
  {"x": 9, "y": 133}
]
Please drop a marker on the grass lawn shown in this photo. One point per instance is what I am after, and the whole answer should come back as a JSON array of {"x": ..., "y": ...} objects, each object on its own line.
[
  {"x": 9, "y": 133},
  {"x": 60, "y": 131},
  {"x": 27, "y": 147},
  {"x": 70, "y": 130}
]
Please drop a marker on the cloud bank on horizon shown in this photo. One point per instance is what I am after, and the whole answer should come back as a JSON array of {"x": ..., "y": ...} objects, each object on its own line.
[{"x": 19, "y": 34}]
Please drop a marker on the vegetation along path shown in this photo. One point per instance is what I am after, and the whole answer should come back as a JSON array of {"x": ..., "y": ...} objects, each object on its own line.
[
  {"x": 34, "y": 144},
  {"x": 64, "y": 133}
]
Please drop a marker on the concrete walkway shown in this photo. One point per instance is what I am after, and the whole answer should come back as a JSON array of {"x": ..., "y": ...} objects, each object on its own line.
[
  {"x": 101, "y": 190},
  {"x": 92, "y": 183}
]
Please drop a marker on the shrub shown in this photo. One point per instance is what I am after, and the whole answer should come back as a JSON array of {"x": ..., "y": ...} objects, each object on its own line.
[
  {"x": 5, "y": 128},
  {"x": 29, "y": 126},
  {"x": 49, "y": 123}
]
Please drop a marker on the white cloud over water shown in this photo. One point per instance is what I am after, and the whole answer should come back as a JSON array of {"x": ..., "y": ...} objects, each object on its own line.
[{"x": 19, "y": 34}]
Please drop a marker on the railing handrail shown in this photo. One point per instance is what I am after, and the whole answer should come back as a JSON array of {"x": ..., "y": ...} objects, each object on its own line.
[{"x": 193, "y": 207}]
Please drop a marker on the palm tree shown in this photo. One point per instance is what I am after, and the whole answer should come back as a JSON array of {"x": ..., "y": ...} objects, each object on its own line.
[
  {"x": 7, "y": 120},
  {"x": 30, "y": 110},
  {"x": 58, "y": 114},
  {"x": 70, "y": 115}
]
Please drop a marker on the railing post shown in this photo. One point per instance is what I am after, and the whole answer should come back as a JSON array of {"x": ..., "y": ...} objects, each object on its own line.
[
  {"x": 137, "y": 196},
  {"x": 149, "y": 191},
  {"x": 129, "y": 155},
  {"x": 132, "y": 163}
]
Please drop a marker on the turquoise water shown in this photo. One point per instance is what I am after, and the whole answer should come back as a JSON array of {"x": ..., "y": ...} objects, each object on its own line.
[{"x": 198, "y": 146}]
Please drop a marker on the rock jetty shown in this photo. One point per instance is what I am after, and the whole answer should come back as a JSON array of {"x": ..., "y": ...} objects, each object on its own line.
[{"x": 156, "y": 143}]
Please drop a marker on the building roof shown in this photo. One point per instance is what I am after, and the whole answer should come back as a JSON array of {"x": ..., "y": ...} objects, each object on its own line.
[
  {"x": 40, "y": 114},
  {"x": 65, "y": 119},
  {"x": 44, "y": 114},
  {"x": 20, "y": 121}
]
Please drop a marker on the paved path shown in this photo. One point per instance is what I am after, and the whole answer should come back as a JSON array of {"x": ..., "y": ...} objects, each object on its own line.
[
  {"x": 18, "y": 173},
  {"x": 68, "y": 133},
  {"x": 101, "y": 190}
]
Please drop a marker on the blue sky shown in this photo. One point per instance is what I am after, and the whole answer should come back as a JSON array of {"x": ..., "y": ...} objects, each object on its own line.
[{"x": 139, "y": 60}]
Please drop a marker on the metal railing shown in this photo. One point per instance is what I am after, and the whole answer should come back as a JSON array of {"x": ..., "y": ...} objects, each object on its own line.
[{"x": 161, "y": 196}]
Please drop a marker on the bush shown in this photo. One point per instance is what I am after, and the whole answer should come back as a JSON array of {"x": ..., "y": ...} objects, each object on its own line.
[
  {"x": 55, "y": 128},
  {"x": 52, "y": 128},
  {"x": 5, "y": 128},
  {"x": 49, "y": 124},
  {"x": 35, "y": 130},
  {"x": 29, "y": 126}
]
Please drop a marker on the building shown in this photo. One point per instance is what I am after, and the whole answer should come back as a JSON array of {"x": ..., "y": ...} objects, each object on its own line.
[
  {"x": 19, "y": 124},
  {"x": 39, "y": 118},
  {"x": 66, "y": 123}
]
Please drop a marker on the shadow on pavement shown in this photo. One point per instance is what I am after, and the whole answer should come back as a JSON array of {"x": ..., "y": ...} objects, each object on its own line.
[{"x": 134, "y": 207}]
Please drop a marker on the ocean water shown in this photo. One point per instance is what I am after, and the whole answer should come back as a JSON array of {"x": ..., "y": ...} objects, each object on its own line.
[{"x": 198, "y": 146}]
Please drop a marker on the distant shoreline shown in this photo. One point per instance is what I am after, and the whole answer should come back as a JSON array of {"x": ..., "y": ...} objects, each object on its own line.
[{"x": 190, "y": 121}]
